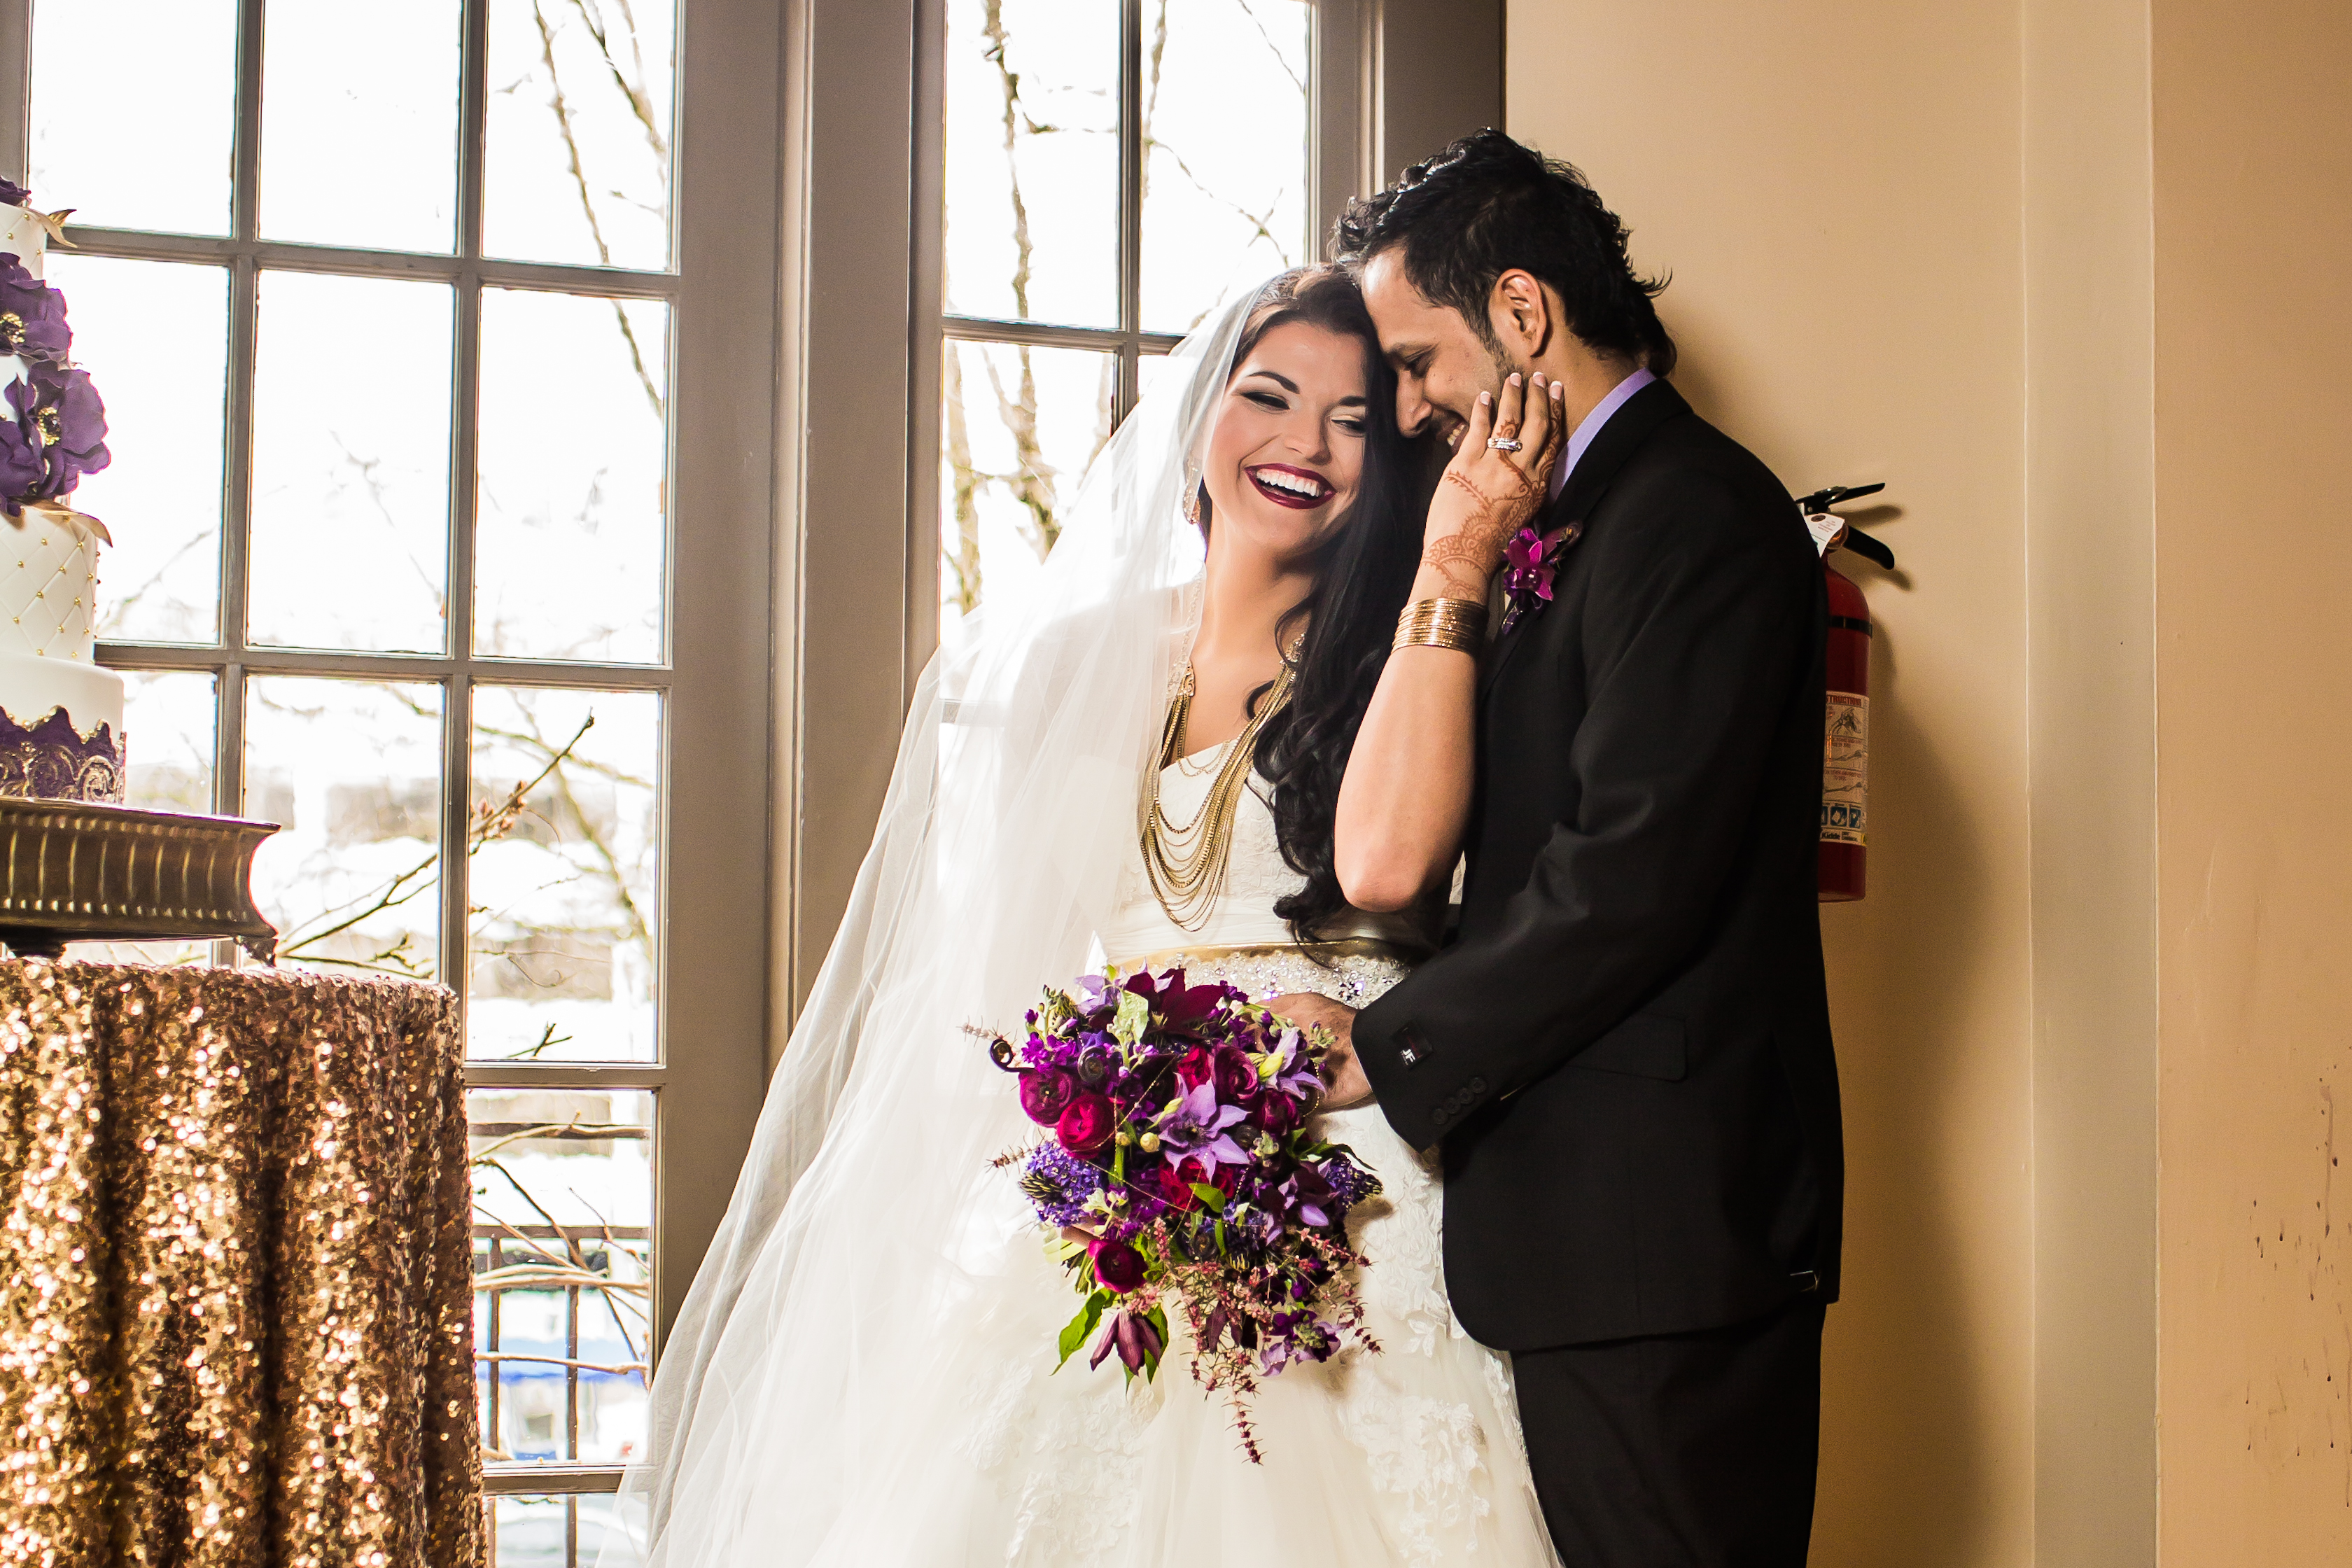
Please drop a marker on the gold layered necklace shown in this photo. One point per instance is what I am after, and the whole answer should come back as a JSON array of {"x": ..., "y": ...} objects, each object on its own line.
[{"x": 1187, "y": 864}]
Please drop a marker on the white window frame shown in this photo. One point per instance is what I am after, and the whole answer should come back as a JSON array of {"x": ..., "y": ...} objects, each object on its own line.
[{"x": 716, "y": 684}]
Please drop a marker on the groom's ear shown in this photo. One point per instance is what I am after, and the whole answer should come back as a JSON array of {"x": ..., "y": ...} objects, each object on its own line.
[{"x": 1522, "y": 314}]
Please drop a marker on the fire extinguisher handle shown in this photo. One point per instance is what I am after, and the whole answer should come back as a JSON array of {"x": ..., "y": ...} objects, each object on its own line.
[{"x": 1866, "y": 547}]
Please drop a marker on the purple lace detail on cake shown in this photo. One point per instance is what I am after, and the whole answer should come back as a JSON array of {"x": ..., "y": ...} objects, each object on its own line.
[{"x": 51, "y": 761}]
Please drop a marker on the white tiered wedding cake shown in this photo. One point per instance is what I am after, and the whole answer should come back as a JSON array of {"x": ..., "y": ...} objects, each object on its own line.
[{"x": 60, "y": 714}]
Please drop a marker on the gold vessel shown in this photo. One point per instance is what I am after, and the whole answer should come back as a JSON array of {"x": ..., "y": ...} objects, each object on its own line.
[{"x": 75, "y": 871}]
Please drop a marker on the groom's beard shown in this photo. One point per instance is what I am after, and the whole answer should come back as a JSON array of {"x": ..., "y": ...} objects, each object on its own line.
[{"x": 1499, "y": 369}]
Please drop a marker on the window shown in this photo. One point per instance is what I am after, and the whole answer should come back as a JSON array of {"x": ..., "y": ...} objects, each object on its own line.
[
  {"x": 1112, "y": 175},
  {"x": 434, "y": 543}
]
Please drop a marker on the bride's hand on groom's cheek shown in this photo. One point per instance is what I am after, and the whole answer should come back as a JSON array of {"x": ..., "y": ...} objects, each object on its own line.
[
  {"x": 1496, "y": 482},
  {"x": 1345, "y": 1076}
]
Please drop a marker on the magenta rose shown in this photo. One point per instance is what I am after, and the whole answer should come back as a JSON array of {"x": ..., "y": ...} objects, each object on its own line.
[
  {"x": 1045, "y": 1093},
  {"x": 1086, "y": 1124},
  {"x": 1278, "y": 1114},
  {"x": 1236, "y": 1079},
  {"x": 1118, "y": 1266},
  {"x": 1196, "y": 1066}
]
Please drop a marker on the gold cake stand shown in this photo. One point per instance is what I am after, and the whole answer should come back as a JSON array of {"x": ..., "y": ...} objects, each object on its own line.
[{"x": 74, "y": 872}]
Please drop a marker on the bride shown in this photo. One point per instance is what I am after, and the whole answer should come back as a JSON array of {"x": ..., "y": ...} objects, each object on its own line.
[{"x": 1135, "y": 757}]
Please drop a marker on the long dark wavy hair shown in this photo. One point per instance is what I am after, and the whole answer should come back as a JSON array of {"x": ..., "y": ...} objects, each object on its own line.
[{"x": 1362, "y": 578}]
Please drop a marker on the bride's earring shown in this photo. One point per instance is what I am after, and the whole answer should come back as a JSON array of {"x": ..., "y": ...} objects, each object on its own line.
[{"x": 1194, "y": 499}]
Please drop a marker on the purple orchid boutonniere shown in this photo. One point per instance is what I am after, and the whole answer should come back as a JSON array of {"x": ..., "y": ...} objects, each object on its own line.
[{"x": 1530, "y": 559}]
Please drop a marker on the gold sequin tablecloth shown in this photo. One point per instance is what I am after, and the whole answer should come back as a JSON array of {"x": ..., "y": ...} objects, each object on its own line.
[{"x": 235, "y": 1307}]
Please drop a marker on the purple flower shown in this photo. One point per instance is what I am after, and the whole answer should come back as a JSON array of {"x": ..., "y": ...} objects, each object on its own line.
[
  {"x": 1137, "y": 1341},
  {"x": 21, "y": 468},
  {"x": 1305, "y": 1197},
  {"x": 14, "y": 194},
  {"x": 32, "y": 315},
  {"x": 1195, "y": 1127},
  {"x": 1045, "y": 1093},
  {"x": 1059, "y": 1184},
  {"x": 1531, "y": 559},
  {"x": 1088, "y": 1124},
  {"x": 1118, "y": 1266},
  {"x": 1294, "y": 1071},
  {"x": 65, "y": 408}
]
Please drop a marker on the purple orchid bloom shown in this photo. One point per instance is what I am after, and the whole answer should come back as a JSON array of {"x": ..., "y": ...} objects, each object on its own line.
[
  {"x": 1295, "y": 1074},
  {"x": 1195, "y": 1128},
  {"x": 1531, "y": 559},
  {"x": 32, "y": 315}
]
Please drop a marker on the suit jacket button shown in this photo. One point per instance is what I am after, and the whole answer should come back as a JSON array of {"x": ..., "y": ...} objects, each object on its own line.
[
  {"x": 1438, "y": 1117},
  {"x": 1477, "y": 1086}
]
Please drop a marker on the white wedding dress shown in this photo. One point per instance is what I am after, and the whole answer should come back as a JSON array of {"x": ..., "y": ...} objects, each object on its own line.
[
  {"x": 1411, "y": 1456},
  {"x": 863, "y": 1375}
]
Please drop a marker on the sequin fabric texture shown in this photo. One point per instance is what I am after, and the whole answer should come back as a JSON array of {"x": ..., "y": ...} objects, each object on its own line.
[{"x": 236, "y": 1298}]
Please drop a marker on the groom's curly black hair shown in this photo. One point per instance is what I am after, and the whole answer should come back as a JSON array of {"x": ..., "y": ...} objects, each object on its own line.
[{"x": 1488, "y": 204}]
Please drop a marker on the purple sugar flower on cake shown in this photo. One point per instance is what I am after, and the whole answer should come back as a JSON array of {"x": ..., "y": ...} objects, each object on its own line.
[
  {"x": 60, "y": 404},
  {"x": 14, "y": 194},
  {"x": 21, "y": 467},
  {"x": 32, "y": 315}
]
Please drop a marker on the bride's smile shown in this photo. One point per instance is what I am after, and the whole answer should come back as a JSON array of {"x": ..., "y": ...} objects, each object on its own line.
[{"x": 1287, "y": 455}]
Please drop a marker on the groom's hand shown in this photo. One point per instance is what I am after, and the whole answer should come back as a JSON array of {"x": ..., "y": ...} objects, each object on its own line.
[{"x": 1345, "y": 1076}]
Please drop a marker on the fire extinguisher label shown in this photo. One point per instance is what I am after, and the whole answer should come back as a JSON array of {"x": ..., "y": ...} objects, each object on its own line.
[{"x": 1845, "y": 768}]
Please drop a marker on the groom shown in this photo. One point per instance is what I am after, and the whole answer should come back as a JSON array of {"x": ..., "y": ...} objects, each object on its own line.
[{"x": 1624, "y": 1053}]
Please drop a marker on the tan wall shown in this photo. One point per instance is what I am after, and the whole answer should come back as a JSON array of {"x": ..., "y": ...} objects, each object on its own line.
[
  {"x": 2253, "y": 248},
  {"x": 1835, "y": 188},
  {"x": 2072, "y": 275}
]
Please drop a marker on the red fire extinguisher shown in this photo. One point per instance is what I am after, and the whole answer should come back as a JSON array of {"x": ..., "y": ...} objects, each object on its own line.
[{"x": 1843, "y": 872}]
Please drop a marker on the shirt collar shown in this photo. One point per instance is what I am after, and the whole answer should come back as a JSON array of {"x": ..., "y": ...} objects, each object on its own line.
[{"x": 1591, "y": 424}]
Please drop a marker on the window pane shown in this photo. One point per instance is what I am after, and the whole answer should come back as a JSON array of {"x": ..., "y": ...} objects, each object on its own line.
[
  {"x": 1021, "y": 425},
  {"x": 565, "y": 874},
  {"x": 134, "y": 111},
  {"x": 1033, "y": 161},
  {"x": 359, "y": 127},
  {"x": 154, "y": 337},
  {"x": 167, "y": 720},
  {"x": 563, "y": 1254},
  {"x": 532, "y": 1532},
  {"x": 571, "y": 545},
  {"x": 1224, "y": 195},
  {"x": 579, "y": 140},
  {"x": 350, "y": 770},
  {"x": 351, "y": 463}
]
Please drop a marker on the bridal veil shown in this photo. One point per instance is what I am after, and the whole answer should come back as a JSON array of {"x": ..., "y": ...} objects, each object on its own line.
[{"x": 847, "y": 1286}]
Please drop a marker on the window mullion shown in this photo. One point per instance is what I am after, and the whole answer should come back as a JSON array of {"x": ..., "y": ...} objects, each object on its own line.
[
  {"x": 1130, "y": 204},
  {"x": 457, "y": 625}
]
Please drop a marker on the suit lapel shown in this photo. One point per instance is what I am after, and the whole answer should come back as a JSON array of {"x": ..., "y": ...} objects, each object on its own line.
[{"x": 1619, "y": 440}]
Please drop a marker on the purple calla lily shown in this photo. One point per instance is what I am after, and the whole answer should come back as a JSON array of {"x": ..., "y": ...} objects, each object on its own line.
[
  {"x": 1132, "y": 1335},
  {"x": 14, "y": 194}
]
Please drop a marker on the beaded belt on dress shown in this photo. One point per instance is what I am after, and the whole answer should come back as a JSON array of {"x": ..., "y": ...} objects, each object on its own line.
[{"x": 1353, "y": 970}]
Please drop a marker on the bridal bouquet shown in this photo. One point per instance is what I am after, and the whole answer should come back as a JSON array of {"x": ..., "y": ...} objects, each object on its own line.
[{"x": 1179, "y": 1165}]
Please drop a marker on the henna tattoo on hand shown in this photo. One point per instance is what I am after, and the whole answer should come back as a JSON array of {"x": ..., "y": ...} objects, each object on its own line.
[{"x": 1478, "y": 543}]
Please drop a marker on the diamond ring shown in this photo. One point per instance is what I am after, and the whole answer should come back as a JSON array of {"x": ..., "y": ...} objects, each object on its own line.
[{"x": 1504, "y": 443}]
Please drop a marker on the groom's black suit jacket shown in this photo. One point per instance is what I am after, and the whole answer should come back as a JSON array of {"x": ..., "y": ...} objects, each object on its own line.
[{"x": 1626, "y": 1050}]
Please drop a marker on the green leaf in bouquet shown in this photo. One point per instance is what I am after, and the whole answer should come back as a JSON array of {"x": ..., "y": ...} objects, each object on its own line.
[
  {"x": 1133, "y": 1017},
  {"x": 1212, "y": 1198},
  {"x": 1080, "y": 1327}
]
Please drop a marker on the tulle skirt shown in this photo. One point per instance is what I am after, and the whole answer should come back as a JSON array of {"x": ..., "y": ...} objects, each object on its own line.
[{"x": 958, "y": 1445}]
